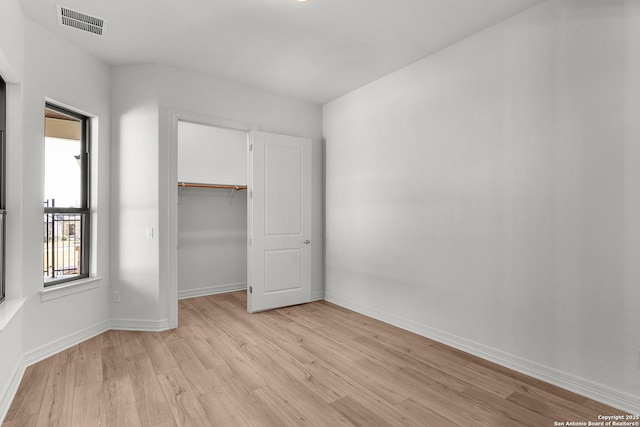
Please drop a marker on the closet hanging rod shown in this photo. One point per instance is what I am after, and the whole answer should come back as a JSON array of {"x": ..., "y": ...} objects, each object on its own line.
[{"x": 198, "y": 185}]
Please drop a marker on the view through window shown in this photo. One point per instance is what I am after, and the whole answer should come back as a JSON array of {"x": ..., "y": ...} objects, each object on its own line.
[{"x": 66, "y": 196}]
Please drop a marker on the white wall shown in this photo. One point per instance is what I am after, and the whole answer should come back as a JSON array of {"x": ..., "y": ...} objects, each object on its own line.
[
  {"x": 83, "y": 83},
  {"x": 134, "y": 179},
  {"x": 11, "y": 365},
  {"x": 30, "y": 61},
  {"x": 142, "y": 188},
  {"x": 488, "y": 196},
  {"x": 212, "y": 237},
  {"x": 11, "y": 69},
  {"x": 11, "y": 41},
  {"x": 211, "y": 155}
]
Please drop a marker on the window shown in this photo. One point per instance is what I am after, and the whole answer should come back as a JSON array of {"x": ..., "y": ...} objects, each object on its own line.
[
  {"x": 3, "y": 123},
  {"x": 66, "y": 196}
]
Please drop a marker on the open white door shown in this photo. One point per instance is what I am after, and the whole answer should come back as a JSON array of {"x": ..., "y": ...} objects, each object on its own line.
[{"x": 279, "y": 215}]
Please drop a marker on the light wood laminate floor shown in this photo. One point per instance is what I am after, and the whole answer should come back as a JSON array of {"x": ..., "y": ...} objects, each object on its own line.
[{"x": 315, "y": 364}]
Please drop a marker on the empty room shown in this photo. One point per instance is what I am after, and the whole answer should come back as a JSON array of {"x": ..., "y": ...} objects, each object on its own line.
[{"x": 319, "y": 212}]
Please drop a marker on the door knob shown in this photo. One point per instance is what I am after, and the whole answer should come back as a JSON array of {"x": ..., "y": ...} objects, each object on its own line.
[{"x": 306, "y": 242}]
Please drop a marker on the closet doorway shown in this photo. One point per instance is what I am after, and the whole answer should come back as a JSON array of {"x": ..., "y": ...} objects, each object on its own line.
[
  {"x": 212, "y": 210},
  {"x": 244, "y": 215}
]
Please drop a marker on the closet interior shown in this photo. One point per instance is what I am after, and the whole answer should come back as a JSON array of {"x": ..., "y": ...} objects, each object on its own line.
[{"x": 212, "y": 209}]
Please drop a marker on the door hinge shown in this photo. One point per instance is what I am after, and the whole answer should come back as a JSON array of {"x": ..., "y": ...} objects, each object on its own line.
[
  {"x": 250, "y": 242},
  {"x": 250, "y": 289},
  {"x": 250, "y": 147},
  {"x": 251, "y": 194}
]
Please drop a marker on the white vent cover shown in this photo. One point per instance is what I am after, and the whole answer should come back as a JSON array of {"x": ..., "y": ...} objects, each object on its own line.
[{"x": 81, "y": 21}]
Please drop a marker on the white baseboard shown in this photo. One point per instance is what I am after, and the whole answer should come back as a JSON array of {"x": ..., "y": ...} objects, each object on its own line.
[
  {"x": 317, "y": 296},
  {"x": 211, "y": 290},
  {"x": 56, "y": 346},
  {"x": 592, "y": 390},
  {"x": 140, "y": 325},
  {"x": 12, "y": 388}
]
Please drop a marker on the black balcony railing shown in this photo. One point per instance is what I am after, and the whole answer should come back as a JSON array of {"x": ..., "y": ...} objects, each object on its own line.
[{"x": 63, "y": 244}]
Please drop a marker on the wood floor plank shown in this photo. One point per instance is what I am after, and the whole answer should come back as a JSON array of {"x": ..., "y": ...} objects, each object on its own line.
[
  {"x": 183, "y": 403},
  {"x": 420, "y": 414},
  {"x": 89, "y": 367},
  {"x": 151, "y": 403},
  {"x": 158, "y": 352},
  {"x": 110, "y": 338},
  {"x": 316, "y": 364},
  {"x": 207, "y": 319},
  {"x": 254, "y": 412},
  {"x": 57, "y": 402},
  {"x": 393, "y": 358},
  {"x": 239, "y": 361},
  {"x": 191, "y": 367},
  {"x": 431, "y": 377},
  {"x": 284, "y": 364},
  {"x": 29, "y": 397},
  {"x": 328, "y": 376},
  {"x": 124, "y": 415},
  {"x": 356, "y": 413},
  {"x": 131, "y": 343},
  {"x": 504, "y": 409},
  {"x": 483, "y": 379},
  {"x": 295, "y": 411},
  {"x": 117, "y": 392},
  {"x": 237, "y": 325},
  {"x": 88, "y": 406},
  {"x": 87, "y": 349},
  {"x": 283, "y": 338},
  {"x": 558, "y": 409},
  {"x": 376, "y": 329},
  {"x": 26, "y": 421},
  {"x": 323, "y": 347},
  {"x": 522, "y": 382},
  {"x": 207, "y": 355},
  {"x": 221, "y": 411},
  {"x": 66, "y": 357},
  {"x": 116, "y": 384},
  {"x": 457, "y": 408},
  {"x": 394, "y": 386},
  {"x": 113, "y": 364}
]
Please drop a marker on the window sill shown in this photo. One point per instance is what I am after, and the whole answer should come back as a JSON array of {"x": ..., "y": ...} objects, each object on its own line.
[
  {"x": 8, "y": 309},
  {"x": 70, "y": 288}
]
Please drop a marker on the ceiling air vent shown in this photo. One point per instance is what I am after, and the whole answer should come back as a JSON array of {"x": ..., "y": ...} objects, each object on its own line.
[{"x": 81, "y": 21}]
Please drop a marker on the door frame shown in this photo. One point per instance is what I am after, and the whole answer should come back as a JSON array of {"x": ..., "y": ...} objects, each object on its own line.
[{"x": 168, "y": 216}]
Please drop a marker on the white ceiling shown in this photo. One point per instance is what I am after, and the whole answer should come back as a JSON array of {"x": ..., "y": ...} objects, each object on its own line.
[{"x": 316, "y": 50}]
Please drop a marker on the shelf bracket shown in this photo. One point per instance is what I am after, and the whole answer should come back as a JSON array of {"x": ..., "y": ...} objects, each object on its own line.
[
  {"x": 233, "y": 192},
  {"x": 180, "y": 187}
]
